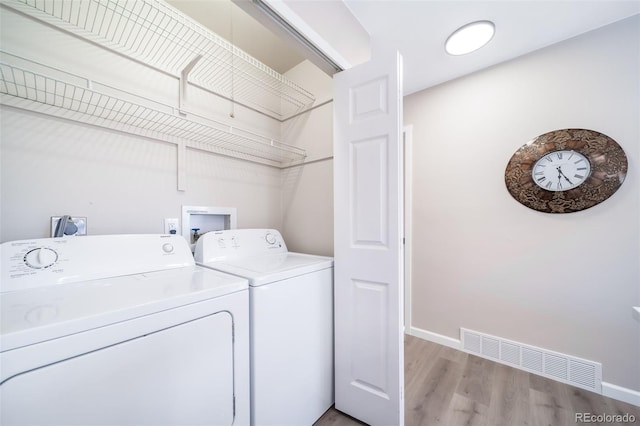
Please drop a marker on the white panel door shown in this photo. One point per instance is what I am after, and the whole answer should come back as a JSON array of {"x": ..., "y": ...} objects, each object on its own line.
[{"x": 368, "y": 196}]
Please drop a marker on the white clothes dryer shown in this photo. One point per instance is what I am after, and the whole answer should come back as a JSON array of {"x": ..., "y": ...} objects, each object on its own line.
[
  {"x": 120, "y": 330},
  {"x": 291, "y": 315}
]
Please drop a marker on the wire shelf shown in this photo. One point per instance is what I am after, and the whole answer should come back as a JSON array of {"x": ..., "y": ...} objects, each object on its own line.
[
  {"x": 156, "y": 34},
  {"x": 37, "y": 92}
]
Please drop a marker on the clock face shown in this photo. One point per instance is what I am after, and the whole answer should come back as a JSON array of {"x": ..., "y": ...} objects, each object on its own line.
[
  {"x": 566, "y": 171},
  {"x": 561, "y": 170}
]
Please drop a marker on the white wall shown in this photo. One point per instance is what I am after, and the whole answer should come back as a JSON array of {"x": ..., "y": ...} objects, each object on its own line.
[
  {"x": 307, "y": 189},
  {"x": 121, "y": 183},
  {"x": 485, "y": 262}
]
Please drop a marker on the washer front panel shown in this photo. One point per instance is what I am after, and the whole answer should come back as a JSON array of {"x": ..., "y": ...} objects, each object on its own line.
[{"x": 292, "y": 350}]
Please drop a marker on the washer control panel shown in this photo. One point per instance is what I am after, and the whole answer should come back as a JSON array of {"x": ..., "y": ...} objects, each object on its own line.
[
  {"x": 238, "y": 243},
  {"x": 50, "y": 261}
]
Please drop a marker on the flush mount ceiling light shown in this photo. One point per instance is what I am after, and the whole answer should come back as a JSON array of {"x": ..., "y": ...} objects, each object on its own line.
[{"x": 470, "y": 37}]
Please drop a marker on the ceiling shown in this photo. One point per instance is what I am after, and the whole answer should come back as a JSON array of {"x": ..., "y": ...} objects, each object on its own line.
[
  {"x": 417, "y": 28},
  {"x": 233, "y": 24}
]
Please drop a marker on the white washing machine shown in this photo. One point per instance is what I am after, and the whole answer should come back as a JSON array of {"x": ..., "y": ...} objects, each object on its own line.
[
  {"x": 291, "y": 311},
  {"x": 120, "y": 330}
]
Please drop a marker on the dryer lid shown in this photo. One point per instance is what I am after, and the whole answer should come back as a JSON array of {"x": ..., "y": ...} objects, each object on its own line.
[{"x": 38, "y": 314}]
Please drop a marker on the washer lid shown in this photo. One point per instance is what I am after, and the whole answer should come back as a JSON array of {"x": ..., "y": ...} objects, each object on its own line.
[
  {"x": 35, "y": 315},
  {"x": 267, "y": 269}
]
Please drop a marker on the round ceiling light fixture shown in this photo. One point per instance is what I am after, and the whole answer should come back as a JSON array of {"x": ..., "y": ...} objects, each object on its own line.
[{"x": 470, "y": 37}]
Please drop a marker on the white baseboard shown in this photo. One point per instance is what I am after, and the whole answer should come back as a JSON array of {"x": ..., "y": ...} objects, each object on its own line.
[
  {"x": 609, "y": 390},
  {"x": 629, "y": 396},
  {"x": 436, "y": 338}
]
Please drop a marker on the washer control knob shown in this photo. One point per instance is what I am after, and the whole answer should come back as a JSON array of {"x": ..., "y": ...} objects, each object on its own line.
[
  {"x": 40, "y": 258},
  {"x": 271, "y": 239},
  {"x": 167, "y": 247}
]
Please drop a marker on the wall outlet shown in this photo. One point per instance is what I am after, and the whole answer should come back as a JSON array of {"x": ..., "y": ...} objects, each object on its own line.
[{"x": 171, "y": 225}]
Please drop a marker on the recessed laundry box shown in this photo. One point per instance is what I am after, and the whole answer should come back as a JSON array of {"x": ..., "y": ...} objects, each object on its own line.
[{"x": 203, "y": 219}]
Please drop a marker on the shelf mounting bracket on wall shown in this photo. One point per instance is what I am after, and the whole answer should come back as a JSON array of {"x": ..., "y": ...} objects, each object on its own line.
[
  {"x": 182, "y": 166},
  {"x": 184, "y": 81}
]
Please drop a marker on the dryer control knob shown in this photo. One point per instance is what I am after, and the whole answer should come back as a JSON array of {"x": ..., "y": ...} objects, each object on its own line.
[
  {"x": 40, "y": 258},
  {"x": 271, "y": 239},
  {"x": 167, "y": 247}
]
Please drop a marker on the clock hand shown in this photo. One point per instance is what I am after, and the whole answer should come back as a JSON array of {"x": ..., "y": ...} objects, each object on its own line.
[{"x": 560, "y": 173}]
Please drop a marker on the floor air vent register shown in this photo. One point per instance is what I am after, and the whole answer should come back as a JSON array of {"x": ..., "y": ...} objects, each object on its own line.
[{"x": 564, "y": 368}]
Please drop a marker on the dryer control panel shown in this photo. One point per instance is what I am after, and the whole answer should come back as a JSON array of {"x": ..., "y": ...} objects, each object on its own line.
[
  {"x": 49, "y": 261},
  {"x": 238, "y": 243}
]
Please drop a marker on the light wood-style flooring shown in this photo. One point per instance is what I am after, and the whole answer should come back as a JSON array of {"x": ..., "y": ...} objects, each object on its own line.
[{"x": 445, "y": 386}]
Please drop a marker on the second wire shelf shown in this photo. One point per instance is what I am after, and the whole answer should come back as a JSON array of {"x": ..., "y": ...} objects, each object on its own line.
[{"x": 33, "y": 91}]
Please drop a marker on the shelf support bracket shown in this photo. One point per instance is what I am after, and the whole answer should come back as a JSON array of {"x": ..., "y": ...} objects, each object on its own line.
[
  {"x": 182, "y": 165},
  {"x": 184, "y": 81}
]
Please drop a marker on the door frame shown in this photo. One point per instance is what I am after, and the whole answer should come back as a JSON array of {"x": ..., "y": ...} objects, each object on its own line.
[{"x": 407, "y": 141}]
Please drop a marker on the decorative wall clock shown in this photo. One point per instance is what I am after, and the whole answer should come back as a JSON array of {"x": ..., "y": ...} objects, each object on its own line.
[{"x": 566, "y": 171}]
